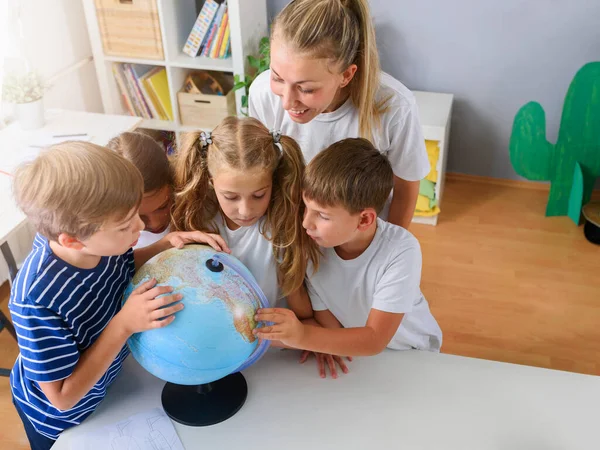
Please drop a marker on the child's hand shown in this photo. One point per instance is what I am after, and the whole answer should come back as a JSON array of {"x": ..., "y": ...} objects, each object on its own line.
[
  {"x": 331, "y": 361},
  {"x": 286, "y": 326},
  {"x": 179, "y": 238},
  {"x": 143, "y": 311}
]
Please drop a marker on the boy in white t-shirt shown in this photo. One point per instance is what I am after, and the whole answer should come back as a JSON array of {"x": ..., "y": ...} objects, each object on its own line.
[{"x": 365, "y": 293}]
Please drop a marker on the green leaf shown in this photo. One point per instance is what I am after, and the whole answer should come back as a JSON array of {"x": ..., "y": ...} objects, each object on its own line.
[
  {"x": 253, "y": 61},
  {"x": 244, "y": 101},
  {"x": 236, "y": 78},
  {"x": 239, "y": 85},
  {"x": 264, "y": 50}
]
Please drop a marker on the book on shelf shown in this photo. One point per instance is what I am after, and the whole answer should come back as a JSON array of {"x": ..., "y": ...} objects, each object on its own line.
[
  {"x": 216, "y": 47},
  {"x": 145, "y": 90},
  {"x": 200, "y": 28},
  {"x": 213, "y": 39}
]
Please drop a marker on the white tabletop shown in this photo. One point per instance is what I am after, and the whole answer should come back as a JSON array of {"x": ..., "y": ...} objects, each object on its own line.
[
  {"x": 396, "y": 400},
  {"x": 16, "y": 147}
]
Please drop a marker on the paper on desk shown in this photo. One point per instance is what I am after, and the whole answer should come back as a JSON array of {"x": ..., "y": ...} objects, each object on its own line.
[
  {"x": 11, "y": 158},
  {"x": 148, "y": 430}
]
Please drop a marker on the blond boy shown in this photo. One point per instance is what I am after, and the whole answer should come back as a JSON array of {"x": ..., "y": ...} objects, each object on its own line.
[{"x": 66, "y": 299}]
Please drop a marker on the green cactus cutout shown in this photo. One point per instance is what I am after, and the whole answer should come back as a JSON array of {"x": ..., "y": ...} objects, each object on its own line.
[
  {"x": 576, "y": 196},
  {"x": 533, "y": 157}
]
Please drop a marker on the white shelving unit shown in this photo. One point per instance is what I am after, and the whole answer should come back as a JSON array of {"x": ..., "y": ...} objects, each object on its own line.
[
  {"x": 248, "y": 24},
  {"x": 434, "y": 113}
]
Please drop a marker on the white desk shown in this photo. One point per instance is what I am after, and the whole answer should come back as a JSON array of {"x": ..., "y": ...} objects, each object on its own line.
[{"x": 396, "y": 400}]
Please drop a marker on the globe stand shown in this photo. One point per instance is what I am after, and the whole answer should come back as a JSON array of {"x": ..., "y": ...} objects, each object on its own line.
[{"x": 205, "y": 404}]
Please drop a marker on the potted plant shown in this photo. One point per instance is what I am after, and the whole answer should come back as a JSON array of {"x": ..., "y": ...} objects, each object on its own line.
[
  {"x": 257, "y": 66},
  {"x": 26, "y": 91}
]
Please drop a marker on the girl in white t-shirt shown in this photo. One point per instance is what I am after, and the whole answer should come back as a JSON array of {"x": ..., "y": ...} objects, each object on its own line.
[
  {"x": 325, "y": 85},
  {"x": 151, "y": 160},
  {"x": 245, "y": 183}
]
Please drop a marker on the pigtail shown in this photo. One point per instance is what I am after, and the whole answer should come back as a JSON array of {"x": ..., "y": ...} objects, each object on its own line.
[
  {"x": 291, "y": 246},
  {"x": 195, "y": 201}
]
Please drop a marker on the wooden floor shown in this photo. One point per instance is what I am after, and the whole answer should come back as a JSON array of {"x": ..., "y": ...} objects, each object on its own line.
[{"x": 504, "y": 282}]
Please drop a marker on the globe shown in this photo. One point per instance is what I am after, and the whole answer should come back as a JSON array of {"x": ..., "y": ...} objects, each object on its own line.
[{"x": 211, "y": 337}]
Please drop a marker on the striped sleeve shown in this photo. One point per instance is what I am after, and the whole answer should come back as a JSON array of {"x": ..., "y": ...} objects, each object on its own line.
[
  {"x": 48, "y": 348},
  {"x": 130, "y": 261}
]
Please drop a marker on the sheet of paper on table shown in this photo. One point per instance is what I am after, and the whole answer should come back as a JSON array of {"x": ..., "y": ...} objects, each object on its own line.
[{"x": 148, "y": 430}]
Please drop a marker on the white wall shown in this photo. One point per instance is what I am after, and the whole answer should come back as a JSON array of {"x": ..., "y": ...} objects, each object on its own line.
[{"x": 54, "y": 36}]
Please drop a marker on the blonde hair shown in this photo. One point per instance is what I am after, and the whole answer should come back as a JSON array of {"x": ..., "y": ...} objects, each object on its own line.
[
  {"x": 350, "y": 173},
  {"x": 245, "y": 144},
  {"x": 341, "y": 31},
  {"x": 147, "y": 155},
  {"x": 75, "y": 188}
]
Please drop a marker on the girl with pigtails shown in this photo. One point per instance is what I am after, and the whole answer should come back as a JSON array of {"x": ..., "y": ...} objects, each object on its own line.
[{"x": 245, "y": 183}]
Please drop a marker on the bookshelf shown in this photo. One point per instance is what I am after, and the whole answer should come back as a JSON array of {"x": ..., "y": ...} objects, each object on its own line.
[{"x": 248, "y": 24}]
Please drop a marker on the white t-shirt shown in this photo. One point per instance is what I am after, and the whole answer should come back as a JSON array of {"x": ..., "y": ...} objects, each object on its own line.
[
  {"x": 386, "y": 277},
  {"x": 147, "y": 238},
  {"x": 400, "y": 136},
  {"x": 249, "y": 246}
]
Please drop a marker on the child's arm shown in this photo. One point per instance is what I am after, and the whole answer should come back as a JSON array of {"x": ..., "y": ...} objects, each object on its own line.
[
  {"x": 404, "y": 200},
  {"x": 363, "y": 341},
  {"x": 299, "y": 302},
  {"x": 141, "y": 312},
  {"x": 178, "y": 239},
  {"x": 326, "y": 319}
]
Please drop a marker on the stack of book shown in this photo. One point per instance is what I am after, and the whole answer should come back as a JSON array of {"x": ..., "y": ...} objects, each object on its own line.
[
  {"x": 210, "y": 35},
  {"x": 145, "y": 90}
]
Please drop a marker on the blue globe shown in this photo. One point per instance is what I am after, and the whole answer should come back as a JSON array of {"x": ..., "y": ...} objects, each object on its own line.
[{"x": 212, "y": 336}]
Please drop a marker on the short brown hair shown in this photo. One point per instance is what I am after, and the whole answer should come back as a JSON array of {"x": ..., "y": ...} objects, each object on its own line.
[
  {"x": 147, "y": 155},
  {"x": 350, "y": 173},
  {"x": 75, "y": 188}
]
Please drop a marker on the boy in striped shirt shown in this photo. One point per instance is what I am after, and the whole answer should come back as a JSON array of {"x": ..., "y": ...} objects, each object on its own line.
[{"x": 66, "y": 299}]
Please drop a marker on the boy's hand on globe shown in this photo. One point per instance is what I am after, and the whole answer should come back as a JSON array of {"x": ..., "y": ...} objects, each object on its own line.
[
  {"x": 179, "y": 238},
  {"x": 145, "y": 310},
  {"x": 285, "y": 326},
  {"x": 330, "y": 360}
]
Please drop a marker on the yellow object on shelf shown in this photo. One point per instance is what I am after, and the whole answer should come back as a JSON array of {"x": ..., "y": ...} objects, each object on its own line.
[
  {"x": 159, "y": 86},
  {"x": 433, "y": 153},
  {"x": 434, "y": 212},
  {"x": 422, "y": 203},
  {"x": 427, "y": 204},
  {"x": 426, "y": 207}
]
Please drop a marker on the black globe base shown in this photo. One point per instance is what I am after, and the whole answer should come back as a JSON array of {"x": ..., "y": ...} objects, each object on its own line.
[{"x": 205, "y": 404}]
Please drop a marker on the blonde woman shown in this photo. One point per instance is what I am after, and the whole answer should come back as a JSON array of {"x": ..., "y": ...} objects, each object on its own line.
[{"x": 325, "y": 85}]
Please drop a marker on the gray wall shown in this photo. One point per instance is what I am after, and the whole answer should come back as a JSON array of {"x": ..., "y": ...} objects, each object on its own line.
[{"x": 493, "y": 56}]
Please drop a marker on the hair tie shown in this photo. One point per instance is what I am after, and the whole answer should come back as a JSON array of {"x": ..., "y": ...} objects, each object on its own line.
[
  {"x": 277, "y": 141},
  {"x": 205, "y": 139}
]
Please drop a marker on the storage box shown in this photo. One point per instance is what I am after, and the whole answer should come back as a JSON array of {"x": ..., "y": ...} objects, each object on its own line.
[
  {"x": 205, "y": 111},
  {"x": 130, "y": 28}
]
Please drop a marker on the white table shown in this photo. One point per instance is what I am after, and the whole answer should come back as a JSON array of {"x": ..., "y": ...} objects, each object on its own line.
[
  {"x": 15, "y": 147},
  {"x": 396, "y": 400}
]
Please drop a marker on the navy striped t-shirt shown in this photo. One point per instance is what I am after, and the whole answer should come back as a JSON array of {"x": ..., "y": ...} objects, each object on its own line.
[{"x": 59, "y": 311}]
